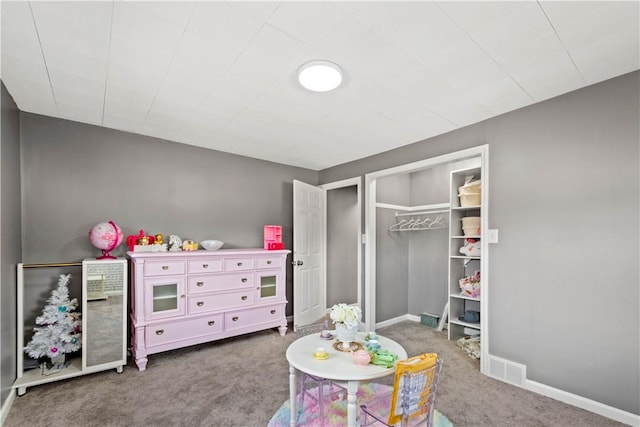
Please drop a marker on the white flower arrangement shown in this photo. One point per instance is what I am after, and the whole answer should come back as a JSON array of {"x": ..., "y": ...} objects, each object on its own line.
[{"x": 350, "y": 315}]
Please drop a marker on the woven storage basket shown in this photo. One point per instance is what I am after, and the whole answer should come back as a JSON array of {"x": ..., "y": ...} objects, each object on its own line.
[{"x": 471, "y": 225}]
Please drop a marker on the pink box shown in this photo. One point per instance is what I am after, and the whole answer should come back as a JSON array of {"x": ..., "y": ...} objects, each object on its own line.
[{"x": 273, "y": 237}]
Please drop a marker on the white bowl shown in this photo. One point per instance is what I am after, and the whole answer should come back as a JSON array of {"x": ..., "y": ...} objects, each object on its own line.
[{"x": 211, "y": 245}]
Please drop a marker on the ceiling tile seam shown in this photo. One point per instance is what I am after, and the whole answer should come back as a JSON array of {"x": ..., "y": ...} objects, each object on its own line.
[
  {"x": 418, "y": 101},
  {"x": 560, "y": 40},
  {"x": 44, "y": 60},
  {"x": 222, "y": 76},
  {"x": 491, "y": 58},
  {"x": 232, "y": 3},
  {"x": 453, "y": 86},
  {"x": 106, "y": 77},
  {"x": 166, "y": 72}
]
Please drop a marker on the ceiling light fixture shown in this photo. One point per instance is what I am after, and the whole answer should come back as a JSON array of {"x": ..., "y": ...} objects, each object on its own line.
[{"x": 320, "y": 76}]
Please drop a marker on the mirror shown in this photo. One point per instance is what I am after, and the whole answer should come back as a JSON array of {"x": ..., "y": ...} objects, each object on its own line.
[{"x": 104, "y": 314}]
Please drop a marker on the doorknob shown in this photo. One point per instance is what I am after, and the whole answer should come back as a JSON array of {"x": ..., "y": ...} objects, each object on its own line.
[{"x": 297, "y": 262}]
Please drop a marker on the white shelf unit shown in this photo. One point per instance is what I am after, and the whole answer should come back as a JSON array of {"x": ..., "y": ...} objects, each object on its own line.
[
  {"x": 104, "y": 321},
  {"x": 461, "y": 265}
]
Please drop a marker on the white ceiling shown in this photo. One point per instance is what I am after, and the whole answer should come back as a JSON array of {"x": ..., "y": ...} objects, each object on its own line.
[{"x": 222, "y": 74}]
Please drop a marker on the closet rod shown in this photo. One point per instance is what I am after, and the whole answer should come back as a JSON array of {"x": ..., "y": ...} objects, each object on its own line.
[
  {"x": 421, "y": 212},
  {"x": 56, "y": 264}
]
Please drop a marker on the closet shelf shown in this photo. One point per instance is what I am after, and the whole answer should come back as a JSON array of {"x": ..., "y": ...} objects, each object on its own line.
[{"x": 461, "y": 296}]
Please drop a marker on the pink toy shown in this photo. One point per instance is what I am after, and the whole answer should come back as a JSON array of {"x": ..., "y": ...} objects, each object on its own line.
[
  {"x": 470, "y": 285},
  {"x": 361, "y": 357},
  {"x": 471, "y": 248}
]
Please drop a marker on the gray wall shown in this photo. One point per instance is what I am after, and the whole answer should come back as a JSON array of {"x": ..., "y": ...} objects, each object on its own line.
[
  {"x": 392, "y": 249},
  {"x": 429, "y": 249},
  {"x": 564, "y": 193},
  {"x": 76, "y": 175},
  {"x": 10, "y": 246},
  {"x": 342, "y": 238}
]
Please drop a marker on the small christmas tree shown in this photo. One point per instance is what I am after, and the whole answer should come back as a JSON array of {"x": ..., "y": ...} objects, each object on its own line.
[{"x": 59, "y": 330}]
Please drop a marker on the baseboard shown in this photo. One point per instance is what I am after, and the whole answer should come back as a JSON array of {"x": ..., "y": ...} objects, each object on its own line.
[
  {"x": 6, "y": 406},
  {"x": 395, "y": 320},
  {"x": 584, "y": 403}
]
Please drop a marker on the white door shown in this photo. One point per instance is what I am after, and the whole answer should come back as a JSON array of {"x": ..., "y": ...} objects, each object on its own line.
[{"x": 309, "y": 257}]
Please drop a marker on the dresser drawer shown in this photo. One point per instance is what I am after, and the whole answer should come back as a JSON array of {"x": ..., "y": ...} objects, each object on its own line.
[
  {"x": 253, "y": 316},
  {"x": 164, "y": 268},
  {"x": 205, "y": 266},
  {"x": 239, "y": 264},
  {"x": 210, "y": 302},
  {"x": 220, "y": 282},
  {"x": 184, "y": 329},
  {"x": 270, "y": 262}
]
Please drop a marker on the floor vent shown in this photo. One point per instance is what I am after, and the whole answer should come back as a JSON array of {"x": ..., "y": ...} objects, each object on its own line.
[{"x": 507, "y": 371}]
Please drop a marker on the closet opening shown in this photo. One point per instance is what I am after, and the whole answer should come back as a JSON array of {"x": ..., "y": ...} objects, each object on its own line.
[{"x": 414, "y": 235}]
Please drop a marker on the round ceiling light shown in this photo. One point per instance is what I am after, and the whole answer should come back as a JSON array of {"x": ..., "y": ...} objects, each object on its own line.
[{"x": 320, "y": 76}]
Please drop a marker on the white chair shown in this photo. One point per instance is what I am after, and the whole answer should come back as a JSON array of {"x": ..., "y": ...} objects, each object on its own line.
[
  {"x": 327, "y": 390},
  {"x": 411, "y": 402}
]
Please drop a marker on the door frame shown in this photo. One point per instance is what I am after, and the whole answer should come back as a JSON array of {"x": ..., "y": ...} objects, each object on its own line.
[
  {"x": 350, "y": 182},
  {"x": 481, "y": 151}
]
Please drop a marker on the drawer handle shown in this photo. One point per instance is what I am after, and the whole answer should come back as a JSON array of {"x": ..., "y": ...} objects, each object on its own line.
[
  {"x": 205, "y": 265},
  {"x": 235, "y": 318},
  {"x": 243, "y": 298},
  {"x": 239, "y": 264},
  {"x": 211, "y": 322},
  {"x": 199, "y": 283},
  {"x": 200, "y": 303},
  {"x": 269, "y": 262},
  {"x": 243, "y": 280},
  {"x": 165, "y": 267},
  {"x": 160, "y": 332},
  {"x": 273, "y": 312}
]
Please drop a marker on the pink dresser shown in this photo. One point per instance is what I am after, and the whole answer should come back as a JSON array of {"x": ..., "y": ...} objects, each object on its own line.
[{"x": 185, "y": 298}]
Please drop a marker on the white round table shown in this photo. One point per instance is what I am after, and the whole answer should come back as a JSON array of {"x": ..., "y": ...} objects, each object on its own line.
[{"x": 339, "y": 367}]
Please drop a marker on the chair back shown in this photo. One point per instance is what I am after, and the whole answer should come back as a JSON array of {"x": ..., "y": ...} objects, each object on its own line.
[
  {"x": 414, "y": 391},
  {"x": 302, "y": 330}
]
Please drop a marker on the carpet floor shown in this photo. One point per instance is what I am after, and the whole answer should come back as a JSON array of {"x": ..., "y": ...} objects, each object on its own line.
[{"x": 336, "y": 411}]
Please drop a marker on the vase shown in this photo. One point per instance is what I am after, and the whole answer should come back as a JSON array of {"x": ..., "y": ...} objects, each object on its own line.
[{"x": 346, "y": 334}]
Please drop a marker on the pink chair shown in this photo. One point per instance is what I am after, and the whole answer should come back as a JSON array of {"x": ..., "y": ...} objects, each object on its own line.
[{"x": 327, "y": 390}]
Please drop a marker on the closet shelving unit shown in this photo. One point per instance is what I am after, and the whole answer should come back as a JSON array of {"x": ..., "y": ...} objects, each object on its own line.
[{"x": 461, "y": 265}]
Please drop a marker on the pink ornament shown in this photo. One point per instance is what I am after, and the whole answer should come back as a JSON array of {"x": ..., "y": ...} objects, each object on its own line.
[{"x": 54, "y": 350}]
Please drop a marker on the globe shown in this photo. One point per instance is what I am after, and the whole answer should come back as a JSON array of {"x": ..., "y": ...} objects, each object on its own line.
[{"x": 106, "y": 236}]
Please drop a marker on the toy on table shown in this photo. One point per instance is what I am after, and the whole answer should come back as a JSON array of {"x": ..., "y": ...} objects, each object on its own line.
[
  {"x": 384, "y": 358},
  {"x": 320, "y": 354},
  {"x": 361, "y": 357},
  {"x": 372, "y": 341}
]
